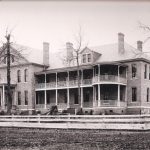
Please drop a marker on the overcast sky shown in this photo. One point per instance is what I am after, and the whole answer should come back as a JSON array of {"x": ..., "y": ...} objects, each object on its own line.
[{"x": 57, "y": 22}]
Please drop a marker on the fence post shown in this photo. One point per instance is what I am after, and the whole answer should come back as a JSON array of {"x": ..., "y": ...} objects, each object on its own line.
[
  {"x": 12, "y": 118},
  {"x": 39, "y": 118}
]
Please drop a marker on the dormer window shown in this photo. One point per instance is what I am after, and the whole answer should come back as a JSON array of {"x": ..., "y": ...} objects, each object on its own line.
[
  {"x": 89, "y": 57},
  {"x": 86, "y": 58}
]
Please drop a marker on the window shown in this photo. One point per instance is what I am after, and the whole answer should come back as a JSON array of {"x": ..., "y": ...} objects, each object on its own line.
[
  {"x": 19, "y": 76},
  {"x": 147, "y": 95},
  {"x": 26, "y": 97},
  {"x": 134, "y": 94},
  {"x": 12, "y": 58},
  {"x": 134, "y": 71},
  {"x": 145, "y": 71},
  {"x": 19, "y": 98},
  {"x": 84, "y": 58},
  {"x": 89, "y": 57},
  {"x": 25, "y": 75}
]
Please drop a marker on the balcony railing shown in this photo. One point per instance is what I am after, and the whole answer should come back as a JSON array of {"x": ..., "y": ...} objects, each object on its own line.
[
  {"x": 109, "y": 78},
  {"x": 84, "y": 82},
  {"x": 108, "y": 103},
  {"x": 40, "y": 86},
  {"x": 51, "y": 85}
]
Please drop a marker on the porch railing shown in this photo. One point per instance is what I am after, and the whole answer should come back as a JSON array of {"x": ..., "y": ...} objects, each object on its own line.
[
  {"x": 108, "y": 103},
  {"x": 111, "y": 78},
  {"x": 73, "y": 83}
]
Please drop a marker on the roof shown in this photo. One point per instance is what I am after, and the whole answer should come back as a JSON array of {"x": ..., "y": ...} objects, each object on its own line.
[
  {"x": 109, "y": 53},
  {"x": 31, "y": 55}
]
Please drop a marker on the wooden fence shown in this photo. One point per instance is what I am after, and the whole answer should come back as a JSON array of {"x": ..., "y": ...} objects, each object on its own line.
[{"x": 122, "y": 122}]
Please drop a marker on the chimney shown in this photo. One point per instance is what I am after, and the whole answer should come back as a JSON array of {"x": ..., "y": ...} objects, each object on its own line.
[
  {"x": 46, "y": 53},
  {"x": 69, "y": 47},
  {"x": 140, "y": 45},
  {"x": 121, "y": 43}
]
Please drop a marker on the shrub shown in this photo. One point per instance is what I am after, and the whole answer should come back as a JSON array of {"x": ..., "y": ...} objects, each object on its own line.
[
  {"x": 80, "y": 112},
  {"x": 53, "y": 110}
]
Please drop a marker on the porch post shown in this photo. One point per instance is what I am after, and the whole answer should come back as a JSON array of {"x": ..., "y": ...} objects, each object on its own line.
[
  {"x": 81, "y": 88},
  {"x": 118, "y": 104},
  {"x": 15, "y": 97},
  {"x": 93, "y": 90},
  {"x": 93, "y": 97},
  {"x": 4, "y": 96},
  {"x": 56, "y": 91},
  {"x": 126, "y": 94},
  {"x": 118, "y": 74},
  {"x": 68, "y": 94},
  {"x": 1, "y": 98},
  {"x": 81, "y": 97},
  {"x": 99, "y": 96},
  {"x": 99, "y": 72},
  {"x": 45, "y": 93}
]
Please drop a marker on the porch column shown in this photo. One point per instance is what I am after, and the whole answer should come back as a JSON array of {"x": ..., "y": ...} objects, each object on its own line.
[
  {"x": 99, "y": 73},
  {"x": 126, "y": 94},
  {"x": 94, "y": 102},
  {"x": 118, "y": 104},
  {"x": 68, "y": 94},
  {"x": 81, "y": 77},
  {"x": 99, "y": 96},
  {"x": 118, "y": 74},
  {"x": 81, "y": 97},
  {"x": 15, "y": 97},
  {"x": 56, "y": 91},
  {"x": 1, "y": 98},
  {"x": 45, "y": 95},
  {"x": 4, "y": 96}
]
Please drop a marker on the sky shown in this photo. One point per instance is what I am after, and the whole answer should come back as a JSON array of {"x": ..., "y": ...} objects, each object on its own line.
[{"x": 57, "y": 22}]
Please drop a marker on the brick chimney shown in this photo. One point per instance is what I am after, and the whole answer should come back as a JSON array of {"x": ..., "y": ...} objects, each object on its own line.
[
  {"x": 46, "y": 53},
  {"x": 121, "y": 43},
  {"x": 69, "y": 47},
  {"x": 140, "y": 45}
]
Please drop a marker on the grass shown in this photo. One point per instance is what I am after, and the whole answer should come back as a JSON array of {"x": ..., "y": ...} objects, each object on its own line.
[{"x": 58, "y": 139}]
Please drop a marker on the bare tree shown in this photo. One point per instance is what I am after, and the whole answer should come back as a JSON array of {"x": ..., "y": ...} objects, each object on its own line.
[
  {"x": 6, "y": 55},
  {"x": 76, "y": 58},
  {"x": 145, "y": 28}
]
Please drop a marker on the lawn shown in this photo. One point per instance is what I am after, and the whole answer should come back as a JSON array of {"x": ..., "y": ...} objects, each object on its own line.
[{"x": 58, "y": 139}]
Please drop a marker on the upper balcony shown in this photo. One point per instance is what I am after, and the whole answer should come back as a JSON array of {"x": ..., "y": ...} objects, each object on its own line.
[
  {"x": 106, "y": 74},
  {"x": 108, "y": 79}
]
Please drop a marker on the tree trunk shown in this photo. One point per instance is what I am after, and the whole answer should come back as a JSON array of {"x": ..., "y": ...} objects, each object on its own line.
[
  {"x": 9, "y": 98},
  {"x": 78, "y": 78}
]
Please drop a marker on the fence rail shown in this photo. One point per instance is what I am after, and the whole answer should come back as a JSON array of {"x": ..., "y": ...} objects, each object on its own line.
[{"x": 129, "y": 122}]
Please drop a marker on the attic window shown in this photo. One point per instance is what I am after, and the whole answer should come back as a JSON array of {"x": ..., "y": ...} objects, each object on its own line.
[
  {"x": 89, "y": 57},
  {"x": 86, "y": 58}
]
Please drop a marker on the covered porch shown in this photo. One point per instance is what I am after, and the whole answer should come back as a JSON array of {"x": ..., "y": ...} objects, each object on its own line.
[
  {"x": 3, "y": 95},
  {"x": 109, "y": 95}
]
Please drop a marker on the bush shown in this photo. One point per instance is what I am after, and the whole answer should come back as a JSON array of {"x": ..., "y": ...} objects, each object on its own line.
[
  {"x": 80, "y": 112},
  {"x": 2, "y": 112}
]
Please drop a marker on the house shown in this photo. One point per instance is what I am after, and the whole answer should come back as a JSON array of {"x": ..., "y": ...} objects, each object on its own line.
[
  {"x": 23, "y": 68},
  {"x": 113, "y": 78}
]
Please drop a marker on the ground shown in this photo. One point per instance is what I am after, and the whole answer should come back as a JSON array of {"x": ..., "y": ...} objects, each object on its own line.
[{"x": 58, "y": 139}]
